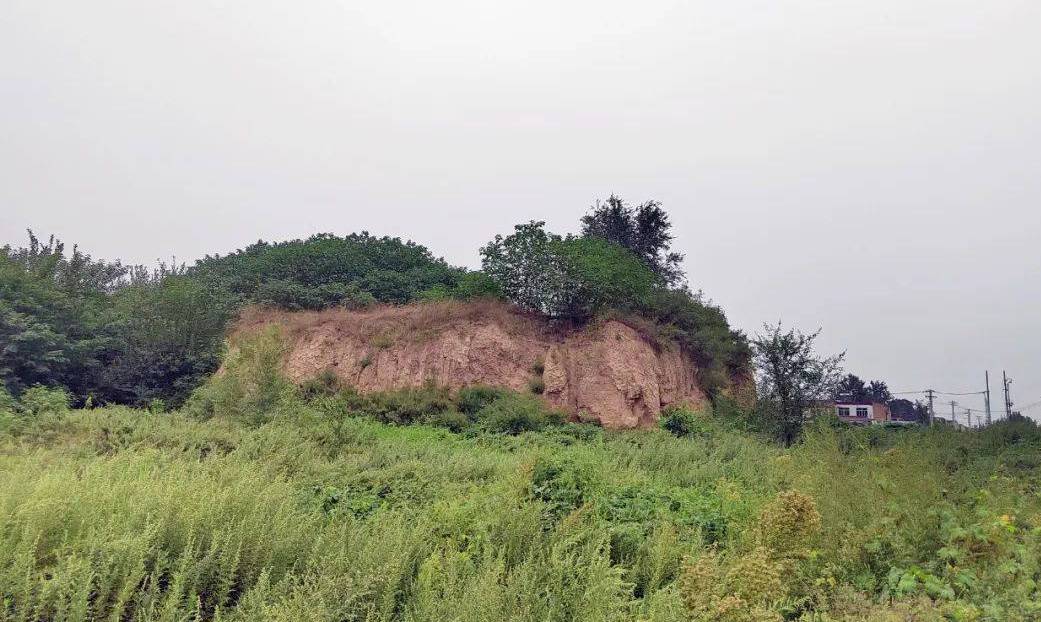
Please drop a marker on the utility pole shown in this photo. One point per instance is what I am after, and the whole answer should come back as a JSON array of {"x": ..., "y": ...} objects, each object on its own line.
[
  {"x": 1008, "y": 399},
  {"x": 968, "y": 413},
  {"x": 932, "y": 414},
  {"x": 987, "y": 395},
  {"x": 954, "y": 417}
]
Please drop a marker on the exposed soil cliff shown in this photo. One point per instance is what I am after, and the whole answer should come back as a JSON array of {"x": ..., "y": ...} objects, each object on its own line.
[{"x": 608, "y": 372}]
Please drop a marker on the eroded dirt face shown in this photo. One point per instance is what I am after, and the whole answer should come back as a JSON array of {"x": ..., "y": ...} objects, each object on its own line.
[{"x": 607, "y": 372}]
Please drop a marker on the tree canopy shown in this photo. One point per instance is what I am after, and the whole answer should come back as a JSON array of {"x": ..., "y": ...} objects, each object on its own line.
[
  {"x": 645, "y": 230},
  {"x": 852, "y": 389},
  {"x": 327, "y": 270},
  {"x": 54, "y": 325},
  {"x": 564, "y": 277}
]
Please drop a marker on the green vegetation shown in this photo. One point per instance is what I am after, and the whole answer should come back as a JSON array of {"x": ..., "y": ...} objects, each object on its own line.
[
  {"x": 115, "y": 334},
  {"x": 53, "y": 325},
  {"x": 579, "y": 279},
  {"x": 241, "y": 496},
  {"x": 565, "y": 277},
  {"x": 264, "y": 501},
  {"x": 792, "y": 377},
  {"x": 326, "y": 270},
  {"x": 110, "y": 333},
  {"x": 643, "y": 230}
]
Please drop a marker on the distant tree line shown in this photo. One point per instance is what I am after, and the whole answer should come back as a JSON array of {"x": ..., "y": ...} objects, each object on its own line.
[{"x": 113, "y": 333}]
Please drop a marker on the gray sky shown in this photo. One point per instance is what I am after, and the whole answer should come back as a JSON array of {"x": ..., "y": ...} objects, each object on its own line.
[{"x": 873, "y": 168}]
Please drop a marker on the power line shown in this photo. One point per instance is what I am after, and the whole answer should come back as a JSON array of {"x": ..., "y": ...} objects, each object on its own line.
[{"x": 926, "y": 391}]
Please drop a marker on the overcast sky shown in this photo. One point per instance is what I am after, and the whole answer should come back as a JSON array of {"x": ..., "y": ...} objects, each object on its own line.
[{"x": 871, "y": 168}]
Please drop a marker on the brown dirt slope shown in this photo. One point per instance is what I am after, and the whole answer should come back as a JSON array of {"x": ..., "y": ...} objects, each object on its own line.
[{"x": 607, "y": 372}]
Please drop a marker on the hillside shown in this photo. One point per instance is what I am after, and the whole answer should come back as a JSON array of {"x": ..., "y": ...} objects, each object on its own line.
[{"x": 609, "y": 372}]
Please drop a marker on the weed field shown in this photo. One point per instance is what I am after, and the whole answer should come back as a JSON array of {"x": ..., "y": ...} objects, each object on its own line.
[{"x": 320, "y": 512}]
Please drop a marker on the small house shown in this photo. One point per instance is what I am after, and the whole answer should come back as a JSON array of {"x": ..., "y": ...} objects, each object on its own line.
[{"x": 863, "y": 413}]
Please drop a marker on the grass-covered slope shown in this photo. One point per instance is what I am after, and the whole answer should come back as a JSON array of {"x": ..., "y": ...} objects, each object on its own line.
[{"x": 323, "y": 511}]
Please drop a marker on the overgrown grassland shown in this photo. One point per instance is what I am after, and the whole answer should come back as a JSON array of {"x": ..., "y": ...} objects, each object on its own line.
[{"x": 317, "y": 513}]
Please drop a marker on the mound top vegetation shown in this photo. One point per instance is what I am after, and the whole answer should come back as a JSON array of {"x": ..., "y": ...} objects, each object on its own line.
[{"x": 115, "y": 334}]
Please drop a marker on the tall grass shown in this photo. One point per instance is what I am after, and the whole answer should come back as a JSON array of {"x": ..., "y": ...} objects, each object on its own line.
[{"x": 321, "y": 510}]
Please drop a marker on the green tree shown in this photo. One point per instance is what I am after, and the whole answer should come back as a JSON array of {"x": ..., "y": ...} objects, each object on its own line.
[
  {"x": 599, "y": 275},
  {"x": 878, "y": 391},
  {"x": 852, "y": 389},
  {"x": 55, "y": 326},
  {"x": 565, "y": 278},
  {"x": 171, "y": 329},
  {"x": 643, "y": 229},
  {"x": 526, "y": 268},
  {"x": 792, "y": 377},
  {"x": 125, "y": 334}
]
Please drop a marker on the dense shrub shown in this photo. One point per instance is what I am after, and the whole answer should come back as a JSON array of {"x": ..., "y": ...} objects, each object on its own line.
[
  {"x": 475, "y": 285},
  {"x": 475, "y": 409},
  {"x": 513, "y": 414},
  {"x": 680, "y": 420},
  {"x": 599, "y": 275},
  {"x": 470, "y": 400},
  {"x": 124, "y": 334},
  {"x": 295, "y": 296},
  {"x": 470, "y": 286},
  {"x": 537, "y": 385},
  {"x": 702, "y": 330},
  {"x": 38, "y": 410},
  {"x": 40, "y": 401},
  {"x": 452, "y": 420},
  {"x": 562, "y": 484},
  {"x": 327, "y": 270},
  {"x": 408, "y": 406},
  {"x": 10, "y": 419},
  {"x": 7, "y": 401},
  {"x": 325, "y": 384},
  {"x": 565, "y": 278},
  {"x": 250, "y": 387},
  {"x": 171, "y": 329}
]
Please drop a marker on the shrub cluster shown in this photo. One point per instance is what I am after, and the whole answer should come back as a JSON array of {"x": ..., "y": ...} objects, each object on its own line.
[
  {"x": 765, "y": 581},
  {"x": 37, "y": 407},
  {"x": 680, "y": 421},
  {"x": 476, "y": 409},
  {"x": 251, "y": 386}
]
